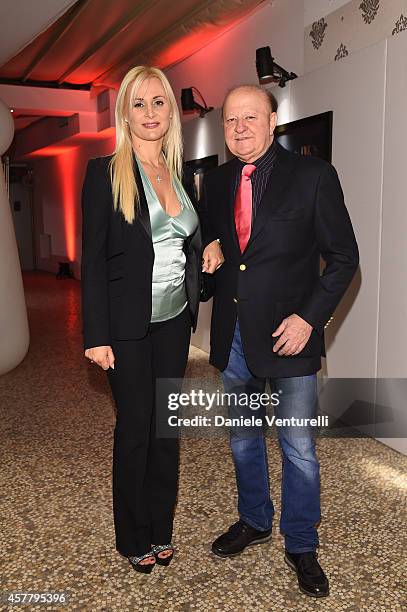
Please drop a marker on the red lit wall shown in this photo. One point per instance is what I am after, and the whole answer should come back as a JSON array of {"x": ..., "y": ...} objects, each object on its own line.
[{"x": 58, "y": 183}]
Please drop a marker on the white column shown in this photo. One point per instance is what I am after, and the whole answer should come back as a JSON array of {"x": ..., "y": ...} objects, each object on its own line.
[{"x": 14, "y": 330}]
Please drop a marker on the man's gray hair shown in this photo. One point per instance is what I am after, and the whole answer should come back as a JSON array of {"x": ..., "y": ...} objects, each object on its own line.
[{"x": 265, "y": 92}]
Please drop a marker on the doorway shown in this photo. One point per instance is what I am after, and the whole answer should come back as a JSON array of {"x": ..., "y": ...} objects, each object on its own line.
[{"x": 21, "y": 203}]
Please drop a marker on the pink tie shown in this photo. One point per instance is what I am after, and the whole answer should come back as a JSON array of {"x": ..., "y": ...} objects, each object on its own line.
[{"x": 243, "y": 206}]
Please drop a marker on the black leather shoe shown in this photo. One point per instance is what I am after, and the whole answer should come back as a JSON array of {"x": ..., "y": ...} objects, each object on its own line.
[
  {"x": 239, "y": 536},
  {"x": 311, "y": 578}
]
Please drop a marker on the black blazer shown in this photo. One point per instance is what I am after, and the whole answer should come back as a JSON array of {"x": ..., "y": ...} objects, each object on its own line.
[
  {"x": 117, "y": 261},
  {"x": 301, "y": 216}
]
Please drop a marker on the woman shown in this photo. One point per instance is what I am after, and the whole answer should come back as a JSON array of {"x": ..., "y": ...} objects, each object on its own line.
[{"x": 140, "y": 295}]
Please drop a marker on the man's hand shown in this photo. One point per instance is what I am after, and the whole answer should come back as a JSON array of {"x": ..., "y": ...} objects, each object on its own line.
[
  {"x": 294, "y": 334},
  {"x": 102, "y": 356},
  {"x": 212, "y": 257}
]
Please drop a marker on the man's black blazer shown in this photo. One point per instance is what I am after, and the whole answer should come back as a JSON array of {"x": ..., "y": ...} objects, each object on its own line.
[
  {"x": 301, "y": 216},
  {"x": 117, "y": 261}
]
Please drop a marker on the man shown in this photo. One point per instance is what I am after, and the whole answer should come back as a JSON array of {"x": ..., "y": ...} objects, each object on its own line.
[{"x": 274, "y": 213}]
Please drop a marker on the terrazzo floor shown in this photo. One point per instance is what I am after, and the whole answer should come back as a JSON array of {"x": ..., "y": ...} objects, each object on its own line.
[{"x": 56, "y": 426}]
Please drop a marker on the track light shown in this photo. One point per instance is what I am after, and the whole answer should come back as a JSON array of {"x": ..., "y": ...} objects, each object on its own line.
[
  {"x": 270, "y": 72},
  {"x": 188, "y": 102}
]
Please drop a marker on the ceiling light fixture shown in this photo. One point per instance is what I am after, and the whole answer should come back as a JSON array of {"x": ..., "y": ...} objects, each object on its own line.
[
  {"x": 270, "y": 72},
  {"x": 188, "y": 102}
]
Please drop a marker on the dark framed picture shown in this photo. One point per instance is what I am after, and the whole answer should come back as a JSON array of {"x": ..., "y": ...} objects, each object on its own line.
[
  {"x": 309, "y": 136},
  {"x": 200, "y": 166}
]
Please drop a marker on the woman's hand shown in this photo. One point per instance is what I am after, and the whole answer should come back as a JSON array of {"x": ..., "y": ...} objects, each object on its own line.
[
  {"x": 212, "y": 257},
  {"x": 102, "y": 356}
]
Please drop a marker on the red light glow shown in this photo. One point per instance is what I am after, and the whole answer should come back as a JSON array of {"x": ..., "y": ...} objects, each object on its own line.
[
  {"x": 67, "y": 165},
  {"x": 50, "y": 151},
  {"x": 182, "y": 48},
  {"x": 191, "y": 43}
]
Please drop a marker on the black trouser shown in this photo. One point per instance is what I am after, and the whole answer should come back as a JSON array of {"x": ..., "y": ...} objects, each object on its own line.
[{"x": 145, "y": 468}]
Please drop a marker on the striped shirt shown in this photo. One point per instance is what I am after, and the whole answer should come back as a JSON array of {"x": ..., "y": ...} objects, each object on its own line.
[{"x": 259, "y": 177}]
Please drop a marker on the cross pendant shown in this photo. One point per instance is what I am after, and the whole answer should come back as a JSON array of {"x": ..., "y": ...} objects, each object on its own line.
[{"x": 159, "y": 179}]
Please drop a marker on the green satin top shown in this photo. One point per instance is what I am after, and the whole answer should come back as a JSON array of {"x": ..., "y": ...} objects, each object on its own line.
[{"x": 168, "y": 233}]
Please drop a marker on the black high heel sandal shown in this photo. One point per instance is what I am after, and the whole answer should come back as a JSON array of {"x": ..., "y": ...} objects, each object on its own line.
[
  {"x": 161, "y": 548},
  {"x": 145, "y": 568}
]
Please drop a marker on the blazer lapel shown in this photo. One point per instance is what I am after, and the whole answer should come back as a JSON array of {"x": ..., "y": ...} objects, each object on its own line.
[
  {"x": 275, "y": 190},
  {"x": 189, "y": 185},
  {"x": 230, "y": 180},
  {"x": 143, "y": 215}
]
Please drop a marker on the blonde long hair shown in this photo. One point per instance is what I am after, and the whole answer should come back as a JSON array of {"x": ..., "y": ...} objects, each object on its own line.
[{"x": 126, "y": 196}]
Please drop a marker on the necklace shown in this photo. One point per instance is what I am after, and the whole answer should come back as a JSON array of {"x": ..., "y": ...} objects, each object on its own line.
[{"x": 157, "y": 177}]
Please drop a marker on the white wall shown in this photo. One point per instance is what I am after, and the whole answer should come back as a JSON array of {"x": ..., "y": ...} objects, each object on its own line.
[
  {"x": 315, "y": 9},
  {"x": 368, "y": 336},
  {"x": 355, "y": 25},
  {"x": 357, "y": 154},
  {"x": 392, "y": 342},
  {"x": 230, "y": 59}
]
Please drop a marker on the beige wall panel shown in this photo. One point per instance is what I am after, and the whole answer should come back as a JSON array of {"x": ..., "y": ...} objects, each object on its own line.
[{"x": 392, "y": 353}]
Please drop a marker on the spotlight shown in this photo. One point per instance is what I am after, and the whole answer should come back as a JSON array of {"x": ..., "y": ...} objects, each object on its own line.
[
  {"x": 188, "y": 102},
  {"x": 264, "y": 64},
  {"x": 64, "y": 270},
  {"x": 270, "y": 72}
]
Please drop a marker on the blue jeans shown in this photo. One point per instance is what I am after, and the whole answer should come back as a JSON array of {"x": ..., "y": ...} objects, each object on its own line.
[{"x": 300, "y": 491}]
